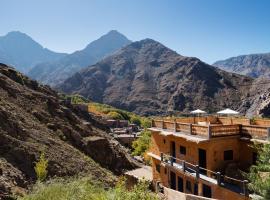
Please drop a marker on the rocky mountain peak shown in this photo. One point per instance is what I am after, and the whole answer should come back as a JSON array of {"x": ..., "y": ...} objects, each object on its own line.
[{"x": 148, "y": 78}]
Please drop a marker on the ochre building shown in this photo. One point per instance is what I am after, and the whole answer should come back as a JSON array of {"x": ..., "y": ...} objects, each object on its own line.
[{"x": 205, "y": 155}]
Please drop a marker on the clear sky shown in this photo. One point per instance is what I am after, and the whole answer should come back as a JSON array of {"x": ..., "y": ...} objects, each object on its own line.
[{"x": 207, "y": 29}]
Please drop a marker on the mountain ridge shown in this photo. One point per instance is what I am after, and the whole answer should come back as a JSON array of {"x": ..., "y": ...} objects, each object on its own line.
[
  {"x": 20, "y": 50},
  {"x": 54, "y": 73},
  {"x": 148, "y": 78},
  {"x": 253, "y": 65}
]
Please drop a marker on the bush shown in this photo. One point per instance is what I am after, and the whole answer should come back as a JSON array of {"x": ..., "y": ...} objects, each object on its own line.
[
  {"x": 115, "y": 115},
  {"x": 86, "y": 189},
  {"x": 41, "y": 167},
  {"x": 142, "y": 144}
]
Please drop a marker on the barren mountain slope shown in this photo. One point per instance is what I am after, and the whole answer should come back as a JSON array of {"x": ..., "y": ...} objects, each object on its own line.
[
  {"x": 253, "y": 65},
  {"x": 33, "y": 119}
]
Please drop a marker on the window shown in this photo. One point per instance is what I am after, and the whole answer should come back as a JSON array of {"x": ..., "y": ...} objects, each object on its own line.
[
  {"x": 165, "y": 170},
  {"x": 228, "y": 155},
  {"x": 188, "y": 186},
  {"x": 164, "y": 141},
  {"x": 158, "y": 168},
  {"x": 182, "y": 150}
]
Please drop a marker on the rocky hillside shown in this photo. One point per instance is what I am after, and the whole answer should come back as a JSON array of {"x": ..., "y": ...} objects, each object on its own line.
[
  {"x": 33, "y": 119},
  {"x": 257, "y": 101},
  {"x": 20, "y": 50},
  {"x": 148, "y": 78},
  {"x": 53, "y": 73},
  {"x": 254, "y": 65}
]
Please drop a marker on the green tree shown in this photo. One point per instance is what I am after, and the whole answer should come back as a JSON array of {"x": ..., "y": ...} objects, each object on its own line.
[
  {"x": 259, "y": 175},
  {"x": 142, "y": 144},
  {"x": 146, "y": 122},
  {"x": 135, "y": 120},
  {"x": 41, "y": 168}
]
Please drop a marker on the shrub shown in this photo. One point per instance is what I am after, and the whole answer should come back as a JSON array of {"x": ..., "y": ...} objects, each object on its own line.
[
  {"x": 86, "y": 189},
  {"x": 115, "y": 115},
  {"x": 41, "y": 167}
]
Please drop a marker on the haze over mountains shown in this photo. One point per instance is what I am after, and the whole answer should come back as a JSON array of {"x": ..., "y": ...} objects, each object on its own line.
[
  {"x": 148, "y": 78},
  {"x": 21, "y": 51},
  {"x": 253, "y": 65},
  {"x": 55, "y": 72}
]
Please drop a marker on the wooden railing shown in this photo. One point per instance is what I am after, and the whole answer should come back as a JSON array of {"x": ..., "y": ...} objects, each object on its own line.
[
  {"x": 199, "y": 171},
  {"x": 200, "y": 130},
  {"x": 225, "y": 130},
  {"x": 256, "y": 132},
  {"x": 215, "y": 130}
]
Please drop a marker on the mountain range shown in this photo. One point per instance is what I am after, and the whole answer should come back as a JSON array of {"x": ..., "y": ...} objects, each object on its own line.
[
  {"x": 21, "y": 51},
  {"x": 253, "y": 65},
  {"x": 145, "y": 76},
  {"x": 148, "y": 78},
  {"x": 55, "y": 72}
]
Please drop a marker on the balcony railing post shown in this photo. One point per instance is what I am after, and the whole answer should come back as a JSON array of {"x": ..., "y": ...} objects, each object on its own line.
[
  {"x": 209, "y": 132},
  {"x": 218, "y": 178},
  {"x": 245, "y": 189},
  {"x": 174, "y": 125},
  {"x": 197, "y": 172},
  {"x": 268, "y": 133},
  {"x": 190, "y": 129},
  {"x": 162, "y": 124},
  {"x": 171, "y": 160},
  {"x": 161, "y": 157},
  {"x": 184, "y": 166}
]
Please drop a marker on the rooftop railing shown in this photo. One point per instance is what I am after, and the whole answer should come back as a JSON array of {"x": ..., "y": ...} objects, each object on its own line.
[
  {"x": 233, "y": 184},
  {"x": 214, "y": 130}
]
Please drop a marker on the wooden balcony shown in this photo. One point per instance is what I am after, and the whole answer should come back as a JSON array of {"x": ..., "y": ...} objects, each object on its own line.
[{"x": 214, "y": 130}]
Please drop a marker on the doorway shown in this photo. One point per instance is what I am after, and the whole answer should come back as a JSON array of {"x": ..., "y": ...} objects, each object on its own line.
[
  {"x": 180, "y": 184},
  {"x": 173, "y": 154},
  {"x": 173, "y": 180},
  {"x": 202, "y": 160},
  {"x": 207, "y": 192}
]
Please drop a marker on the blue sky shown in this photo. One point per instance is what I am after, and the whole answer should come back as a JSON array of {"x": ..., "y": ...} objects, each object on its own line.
[{"x": 207, "y": 29}]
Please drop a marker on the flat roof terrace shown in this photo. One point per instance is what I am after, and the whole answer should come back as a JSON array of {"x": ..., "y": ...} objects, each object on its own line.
[{"x": 211, "y": 128}]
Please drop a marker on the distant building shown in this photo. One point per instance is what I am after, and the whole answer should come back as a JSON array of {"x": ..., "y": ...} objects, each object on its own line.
[{"x": 202, "y": 155}]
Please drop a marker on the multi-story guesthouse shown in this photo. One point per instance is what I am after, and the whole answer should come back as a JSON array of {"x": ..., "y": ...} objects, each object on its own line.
[{"x": 203, "y": 155}]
